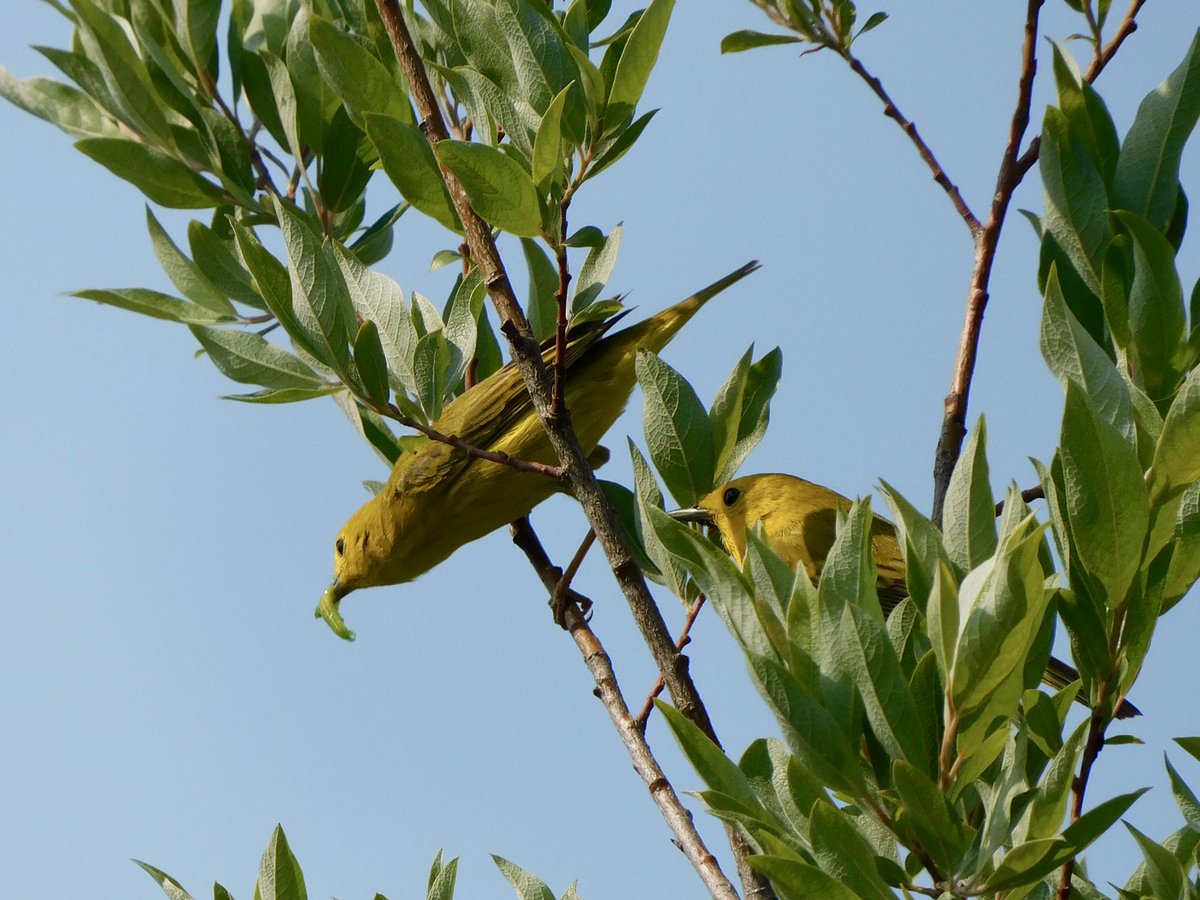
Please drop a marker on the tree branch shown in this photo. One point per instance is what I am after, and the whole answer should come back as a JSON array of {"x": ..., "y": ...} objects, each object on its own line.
[
  {"x": 677, "y": 816},
  {"x": 1013, "y": 168},
  {"x": 893, "y": 112},
  {"x": 527, "y": 356},
  {"x": 954, "y": 427},
  {"x": 685, "y": 638}
]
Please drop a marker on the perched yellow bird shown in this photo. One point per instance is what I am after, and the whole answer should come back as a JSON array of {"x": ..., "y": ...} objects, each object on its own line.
[
  {"x": 439, "y": 498},
  {"x": 799, "y": 521}
]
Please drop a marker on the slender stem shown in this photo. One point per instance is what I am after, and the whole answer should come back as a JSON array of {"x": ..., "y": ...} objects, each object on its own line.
[
  {"x": 677, "y": 816},
  {"x": 685, "y": 638},
  {"x": 893, "y": 112},
  {"x": 521, "y": 465},
  {"x": 1091, "y": 750},
  {"x": 987, "y": 240},
  {"x": 562, "y": 590}
]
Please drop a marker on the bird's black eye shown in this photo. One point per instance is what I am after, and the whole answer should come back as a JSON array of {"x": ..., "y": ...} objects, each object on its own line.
[
  {"x": 340, "y": 546},
  {"x": 731, "y": 496}
]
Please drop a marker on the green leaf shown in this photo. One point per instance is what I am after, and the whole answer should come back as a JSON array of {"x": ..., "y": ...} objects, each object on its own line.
[
  {"x": 320, "y": 298},
  {"x": 412, "y": 167},
  {"x": 185, "y": 274},
  {"x": 970, "y": 507},
  {"x": 1076, "y": 199},
  {"x": 1184, "y": 568},
  {"x": 430, "y": 362},
  {"x": 753, "y": 413},
  {"x": 540, "y": 60},
  {"x": 107, "y": 45},
  {"x": 1043, "y": 817},
  {"x": 216, "y": 258},
  {"x": 60, "y": 104},
  {"x": 196, "y": 26},
  {"x": 1176, "y": 460},
  {"x": 161, "y": 177},
  {"x": 1086, "y": 114},
  {"x": 543, "y": 286},
  {"x": 441, "y": 879},
  {"x": 1106, "y": 500},
  {"x": 1185, "y": 798},
  {"x": 1001, "y": 606},
  {"x": 285, "y": 395},
  {"x": 596, "y": 270},
  {"x": 547, "y": 160},
  {"x": 739, "y": 41},
  {"x": 154, "y": 304},
  {"x": 1147, "y": 177},
  {"x": 678, "y": 433},
  {"x": 1156, "y": 313},
  {"x": 619, "y": 144},
  {"x": 841, "y": 851},
  {"x": 462, "y": 318},
  {"x": 800, "y": 879},
  {"x": 927, "y": 811},
  {"x": 1163, "y": 872},
  {"x": 499, "y": 189},
  {"x": 1190, "y": 744},
  {"x": 719, "y": 772},
  {"x": 364, "y": 83},
  {"x": 248, "y": 358},
  {"x": 279, "y": 875},
  {"x": 316, "y": 101},
  {"x": 637, "y": 60},
  {"x": 527, "y": 885},
  {"x": 371, "y": 363},
  {"x": 376, "y": 241},
  {"x": 169, "y": 885},
  {"x": 287, "y": 103},
  {"x": 378, "y": 298}
]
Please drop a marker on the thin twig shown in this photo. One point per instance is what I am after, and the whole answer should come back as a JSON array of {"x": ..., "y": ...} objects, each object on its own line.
[
  {"x": 1091, "y": 750},
  {"x": 521, "y": 465},
  {"x": 264, "y": 176},
  {"x": 678, "y": 818},
  {"x": 685, "y": 638},
  {"x": 893, "y": 112},
  {"x": 561, "y": 593},
  {"x": 986, "y": 242},
  {"x": 1037, "y": 492}
]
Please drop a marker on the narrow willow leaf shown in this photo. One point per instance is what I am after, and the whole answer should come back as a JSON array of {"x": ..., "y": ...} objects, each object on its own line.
[
  {"x": 1156, "y": 313},
  {"x": 746, "y": 39},
  {"x": 527, "y": 885},
  {"x": 618, "y": 144},
  {"x": 286, "y": 395},
  {"x": 155, "y": 304},
  {"x": 161, "y": 177},
  {"x": 1076, "y": 199},
  {"x": 842, "y": 851},
  {"x": 543, "y": 287},
  {"x": 370, "y": 362},
  {"x": 169, "y": 885},
  {"x": 725, "y": 415},
  {"x": 1105, "y": 496},
  {"x": 320, "y": 298},
  {"x": 719, "y": 772},
  {"x": 356, "y": 75},
  {"x": 636, "y": 62},
  {"x": 547, "y": 160},
  {"x": 938, "y": 826},
  {"x": 410, "y": 164},
  {"x": 678, "y": 432},
  {"x": 196, "y": 26},
  {"x": 1176, "y": 458},
  {"x": 185, "y": 274},
  {"x": 800, "y": 879},
  {"x": 596, "y": 270},
  {"x": 59, "y": 104},
  {"x": 381, "y": 300},
  {"x": 1147, "y": 178},
  {"x": 1086, "y": 113},
  {"x": 279, "y": 875},
  {"x": 216, "y": 257},
  {"x": 970, "y": 507},
  {"x": 1164, "y": 874},
  {"x": 499, "y": 189},
  {"x": 762, "y": 380},
  {"x": 248, "y": 358},
  {"x": 442, "y": 879}
]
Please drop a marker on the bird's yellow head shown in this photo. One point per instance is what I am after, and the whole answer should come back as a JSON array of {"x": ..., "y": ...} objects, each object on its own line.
[
  {"x": 735, "y": 506},
  {"x": 362, "y": 552}
]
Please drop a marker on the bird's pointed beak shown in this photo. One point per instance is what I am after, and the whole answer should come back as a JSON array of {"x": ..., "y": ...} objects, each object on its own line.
[
  {"x": 692, "y": 514},
  {"x": 328, "y": 609}
]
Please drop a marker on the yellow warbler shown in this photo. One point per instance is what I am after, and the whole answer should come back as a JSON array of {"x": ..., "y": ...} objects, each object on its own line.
[
  {"x": 799, "y": 521},
  {"x": 439, "y": 498}
]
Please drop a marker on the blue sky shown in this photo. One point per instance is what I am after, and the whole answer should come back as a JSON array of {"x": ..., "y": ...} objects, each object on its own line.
[{"x": 166, "y": 692}]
